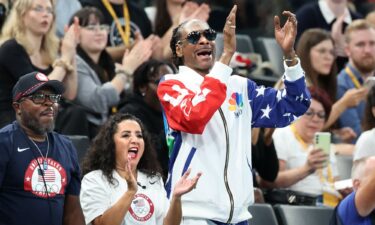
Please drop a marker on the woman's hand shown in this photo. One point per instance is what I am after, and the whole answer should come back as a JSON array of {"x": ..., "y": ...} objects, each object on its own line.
[
  {"x": 316, "y": 159},
  {"x": 70, "y": 41},
  {"x": 354, "y": 96},
  {"x": 286, "y": 35},
  {"x": 229, "y": 33},
  {"x": 140, "y": 52},
  {"x": 129, "y": 177},
  {"x": 338, "y": 36},
  {"x": 192, "y": 10},
  {"x": 185, "y": 185}
]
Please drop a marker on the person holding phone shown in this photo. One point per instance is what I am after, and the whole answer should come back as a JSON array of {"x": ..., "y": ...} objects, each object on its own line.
[
  {"x": 303, "y": 165},
  {"x": 360, "y": 48}
]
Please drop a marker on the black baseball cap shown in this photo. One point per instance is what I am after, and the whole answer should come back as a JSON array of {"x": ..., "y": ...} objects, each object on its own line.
[{"x": 33, "y": 82}]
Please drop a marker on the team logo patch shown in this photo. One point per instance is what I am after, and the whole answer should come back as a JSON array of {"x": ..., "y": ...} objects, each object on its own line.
[
  {"x": 37, "y": 180},
  {"x": 142, "y": 208},
  {"x": 41, "y": 77},
  {"x": 236, "y": 103}
]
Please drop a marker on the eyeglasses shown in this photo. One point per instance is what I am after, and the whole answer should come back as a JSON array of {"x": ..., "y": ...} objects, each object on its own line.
[
  {"x": 97, "y": 27},
  {"x": 194, "y": 36},
  {"x": 320, "y": 114},
  {"x": 41, "y": 9},
  {"x": 42, "y": 98}
]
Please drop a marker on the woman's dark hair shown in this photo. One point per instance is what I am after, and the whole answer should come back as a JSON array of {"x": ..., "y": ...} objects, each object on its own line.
[
  {"x": 163, "y": 20},
  {"x": 102, "y": 152},
  {"x": 176, "y": 36},
  {"x": 321, "y": 96},
  {"x": 146, "y": 72},
  {"x": 308, "y": 40},
  {"x": 369, "y": 119},
  {"x": 84, "y": 15},
  {"x": 105, "y": 68}
]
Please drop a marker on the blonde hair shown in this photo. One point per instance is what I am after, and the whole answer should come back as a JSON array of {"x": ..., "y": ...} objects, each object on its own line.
[
  {"x": 15, "y": 28},
  {"x": 356, "y": 25}
]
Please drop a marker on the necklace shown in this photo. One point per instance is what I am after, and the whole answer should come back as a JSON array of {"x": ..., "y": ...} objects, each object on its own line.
[
  {"x": 125, "y": 34},
  {"x": 45, "y": 164}
]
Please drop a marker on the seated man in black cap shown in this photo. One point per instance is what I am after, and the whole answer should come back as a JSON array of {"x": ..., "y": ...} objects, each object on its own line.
[{"x": 39, "y": 171}]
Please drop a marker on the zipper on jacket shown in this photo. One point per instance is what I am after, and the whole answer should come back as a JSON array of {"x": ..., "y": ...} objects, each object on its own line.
[{"x": 226, "y": 167}]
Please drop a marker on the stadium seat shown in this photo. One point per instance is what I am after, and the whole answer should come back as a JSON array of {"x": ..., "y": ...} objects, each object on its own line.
[
  {"x": 303, "y": 215},
  {"x": 270, "y": 51},
  {"x": 244, "y": 44},
  {"x": 81, "y": 143},
  {"x": 344, "y": 166},
  {"x": 263, "y": 214}
]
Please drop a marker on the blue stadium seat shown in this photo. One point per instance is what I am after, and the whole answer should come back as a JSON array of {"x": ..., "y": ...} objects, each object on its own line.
[
  {"x": 81, "y": 143},
  {"x": 303, "y": 215},
  {"x": 244, "y": 44},
  {"x": 263, "y": 214}
]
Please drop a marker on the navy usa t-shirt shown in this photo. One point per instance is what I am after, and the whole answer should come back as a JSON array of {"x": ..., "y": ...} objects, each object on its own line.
[{"x": 23, "y": 199}]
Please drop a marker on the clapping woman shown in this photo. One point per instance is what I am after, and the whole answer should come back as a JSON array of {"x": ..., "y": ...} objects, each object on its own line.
[
  {"x": 122, "y": 182},
  {"x": 29, "y": 43}
]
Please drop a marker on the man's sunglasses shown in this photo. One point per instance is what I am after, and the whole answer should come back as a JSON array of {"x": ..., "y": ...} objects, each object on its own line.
[
  {"x": 41, "y": 98},
  {"x": 194, "y": 36}
]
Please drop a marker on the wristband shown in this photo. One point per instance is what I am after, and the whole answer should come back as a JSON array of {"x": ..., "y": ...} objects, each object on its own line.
[
  {"x": 125, "y": 76},
  {"x": 64, "y": 64},
  {"x": 287, "y": 60}
]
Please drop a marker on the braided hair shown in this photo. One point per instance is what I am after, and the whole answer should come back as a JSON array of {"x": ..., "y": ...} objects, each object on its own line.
[{"x": 176, "y": 36}]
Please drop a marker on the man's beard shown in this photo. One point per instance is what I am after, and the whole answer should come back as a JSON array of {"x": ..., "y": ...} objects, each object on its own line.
[
  {"x": 33, "y": 124},
  {"x": 364, "y": 66}
]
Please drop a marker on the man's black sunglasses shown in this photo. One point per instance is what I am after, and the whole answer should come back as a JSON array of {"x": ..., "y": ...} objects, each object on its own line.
[{"x": 194, "y": 36}]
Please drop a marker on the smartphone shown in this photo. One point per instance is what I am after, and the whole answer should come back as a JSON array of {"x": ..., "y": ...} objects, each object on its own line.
[
  {"x": 322, "y": 140},
  {"x": 369, "y": 82}
]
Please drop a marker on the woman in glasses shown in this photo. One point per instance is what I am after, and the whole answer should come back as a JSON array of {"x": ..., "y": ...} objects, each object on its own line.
[
  {"x": 29, "y": 43},
  {"x": 145, "y": 105},
  {"x": 302, "y": 166},
  {"x": 101, "y": 82},
  {"x": 316, "y": 50}
]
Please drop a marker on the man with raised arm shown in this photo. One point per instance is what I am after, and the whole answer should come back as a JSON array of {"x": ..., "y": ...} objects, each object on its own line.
[{"x": 210, "y": 113}]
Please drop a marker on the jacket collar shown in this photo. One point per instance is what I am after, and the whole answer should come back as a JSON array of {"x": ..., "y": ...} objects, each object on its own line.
[{"x": 328, "y": 14}]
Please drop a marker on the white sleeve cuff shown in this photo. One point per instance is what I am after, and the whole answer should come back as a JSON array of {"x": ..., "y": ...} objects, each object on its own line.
[
  {"x": 221, "y": 72},
  {"x": 293, "y": 73}
]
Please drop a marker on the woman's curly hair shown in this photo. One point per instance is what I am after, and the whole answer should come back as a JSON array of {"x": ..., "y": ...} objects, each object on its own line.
[{"x": 102, "y": 152}]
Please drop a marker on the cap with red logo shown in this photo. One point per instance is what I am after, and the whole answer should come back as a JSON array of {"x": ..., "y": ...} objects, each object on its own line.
[{"x": 33, "y": 82}]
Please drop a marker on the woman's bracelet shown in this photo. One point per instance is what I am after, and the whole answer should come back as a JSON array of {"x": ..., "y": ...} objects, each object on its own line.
[
  {"x": 64, "y": 64},
  {"x": 288, "y": 60},
  {"x": 126, "y": 76},
  {"x": 123, "y": 72}
]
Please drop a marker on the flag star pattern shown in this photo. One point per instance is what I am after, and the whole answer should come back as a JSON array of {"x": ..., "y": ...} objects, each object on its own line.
[
  {"x": 266, "y": 112},
  {"x": 260, "y": 91},
  {"x": 277, "y": 108}
]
